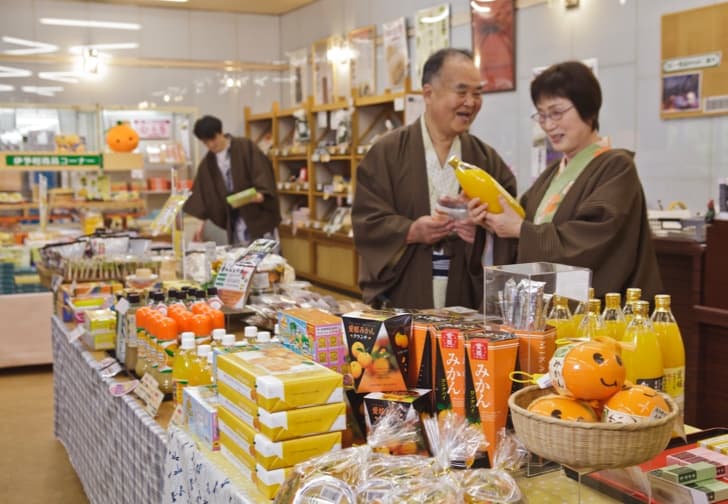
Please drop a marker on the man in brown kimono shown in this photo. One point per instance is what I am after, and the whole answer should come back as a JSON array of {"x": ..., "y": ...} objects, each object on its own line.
[
  {"x": 230, "y": 166},
  {"x": 411, "y": 256}
]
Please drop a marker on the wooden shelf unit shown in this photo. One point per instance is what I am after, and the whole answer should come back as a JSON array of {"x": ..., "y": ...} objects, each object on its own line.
[{"x": 330, "y": 260}]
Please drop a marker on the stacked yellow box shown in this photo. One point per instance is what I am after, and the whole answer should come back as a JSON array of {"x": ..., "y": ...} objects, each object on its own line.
[{"x": 277, "y": 408}]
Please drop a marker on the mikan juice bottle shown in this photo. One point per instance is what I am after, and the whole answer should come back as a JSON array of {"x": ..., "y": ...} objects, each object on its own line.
[
  {"x": 633, "y": 294},
  {"x": 673, "y": 349},
  {"x": 560, "y": 317},
  {"x": 182, "y": 366},
  {"x": 642, "y": 355},
  {"x": 592, "y": 326},
  {"x": 477, "y": 183},
  {"x": 613, "y": 316}
]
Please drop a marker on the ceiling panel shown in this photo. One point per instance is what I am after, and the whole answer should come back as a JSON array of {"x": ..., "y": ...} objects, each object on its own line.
[{"x": 273, "y": 7}]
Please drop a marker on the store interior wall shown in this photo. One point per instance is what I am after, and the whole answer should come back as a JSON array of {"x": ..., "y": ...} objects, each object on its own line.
[
  {"x": 166, "y": 33},
  {"x": 681, "y": 159}
]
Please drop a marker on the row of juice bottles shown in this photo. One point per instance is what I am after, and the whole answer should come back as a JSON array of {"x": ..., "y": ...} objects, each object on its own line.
[
  {"x": 172, "y": 336},
  {"x": 651, "y": 346}
]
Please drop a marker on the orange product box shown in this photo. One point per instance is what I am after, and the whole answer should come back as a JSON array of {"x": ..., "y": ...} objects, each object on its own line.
[
  {"x": 409, "y": 405},
  {"x": 313, "y": 333},
  {"x": 421, "y": 351},
  {"x": 491, "y": 357},
  {"x": 378, "y": 344}
]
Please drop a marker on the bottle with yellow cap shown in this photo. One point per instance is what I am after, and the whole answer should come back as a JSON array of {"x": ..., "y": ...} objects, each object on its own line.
[
  {"x": 633, "y": 294},
  {"x": 673, "y": 350},
  {"x": 592, "y": 326},
  {"x": 641, "y": 353},
  {"x": 560, "y": 318},
  {"x": 613, "y": 316}
]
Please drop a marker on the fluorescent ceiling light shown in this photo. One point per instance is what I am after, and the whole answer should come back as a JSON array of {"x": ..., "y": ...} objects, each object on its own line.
[
  {"x": 6, "y": 87},
  {"x": 103, "y": 47},
  {"x": 14, "y": 72},
  {"x": 43, "y": 90},
  {"x": 482, "y": 9},
  {"x": 68, "y": 77},
  {"x": 32, "y": 47},
  {"x": 436, "y": 19},
  {"x": 90, "y": 23}
]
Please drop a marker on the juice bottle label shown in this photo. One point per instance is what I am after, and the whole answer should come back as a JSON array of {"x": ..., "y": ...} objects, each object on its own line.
[
  {"x": 655, "y": 383},
  {"x": 674, "y": 382}
]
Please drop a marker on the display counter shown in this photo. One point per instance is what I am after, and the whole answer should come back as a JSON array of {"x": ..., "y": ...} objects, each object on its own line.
[{"x": 123, "y": 455}]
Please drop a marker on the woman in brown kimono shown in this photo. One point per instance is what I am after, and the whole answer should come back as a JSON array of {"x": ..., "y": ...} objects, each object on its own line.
[{"x": 588, "y": 209}]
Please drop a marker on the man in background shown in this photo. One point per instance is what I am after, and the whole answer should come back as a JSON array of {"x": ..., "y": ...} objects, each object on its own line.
[{"x": 232, "y": 165}]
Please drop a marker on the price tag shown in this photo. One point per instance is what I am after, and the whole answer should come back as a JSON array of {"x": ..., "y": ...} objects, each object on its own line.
[
  {"x": 178, "y": 417},
  {"x": 76, "y": 333},
  {"x": 122, "y": 388},
  {"x": 112, "y": 370},
  {"x": 56, "y": 282},
  {"x": 148, "y": 391},
  {"x": 122, "y": 306},
  {"x": 104, "y": 363},
  {"x": 137, "y": 174}
]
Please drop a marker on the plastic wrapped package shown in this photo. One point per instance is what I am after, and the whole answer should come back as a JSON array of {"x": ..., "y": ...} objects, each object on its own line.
[
  {"x": 400, "y": 469},
  {"x": 423, "y": 490}
]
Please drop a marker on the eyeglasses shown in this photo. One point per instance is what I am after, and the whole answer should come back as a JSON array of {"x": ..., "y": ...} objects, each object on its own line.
[{"x": 554, "y": 115}]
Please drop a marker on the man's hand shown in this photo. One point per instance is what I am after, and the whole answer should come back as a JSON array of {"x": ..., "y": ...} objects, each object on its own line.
[
  {"x": 198, "y": 232},
  {"x": 258, "y": 198},
  {"x": 465, "y": 228},
  {"x": 430, "y": 229},
  {"x": 506, "y": 224}
]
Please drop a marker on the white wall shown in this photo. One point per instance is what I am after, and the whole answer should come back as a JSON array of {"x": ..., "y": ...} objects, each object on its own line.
[
  {"x": 678, "y": 159},
  {"x": 165, "y": 34}
]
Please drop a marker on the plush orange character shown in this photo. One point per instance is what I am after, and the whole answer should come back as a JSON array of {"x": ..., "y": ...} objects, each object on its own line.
[
  {"x": 588, "y": 370},
  {"x": 122, "y": 138},
  {"x": 563, "y": 408},
  {"x": 635, "y": 404}
]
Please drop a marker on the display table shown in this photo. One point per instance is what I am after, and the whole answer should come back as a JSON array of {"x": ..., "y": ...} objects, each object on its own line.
[{"x": 122, "y": 455}]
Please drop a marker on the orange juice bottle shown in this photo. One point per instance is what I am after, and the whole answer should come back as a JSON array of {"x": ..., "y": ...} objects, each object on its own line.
[
  {"x": 167, "y": 348},
  {"x": 581, "y": 310},
  {"x": 201, "y": 372},
  {"x": 477, "y": 183},
  {"x": 143, "y": 344},
  {"x": 560, "y": 318},
  {"x": 592, "y": 326},
  {"x": 633, "y": 294},
  {"x": 182, "y": 366},
  {"x": 613, "y": 316},
  {"x": 202, "y": 327},
  {"x": 642, "y": 356},
  {"x": 673, "y": 350}
]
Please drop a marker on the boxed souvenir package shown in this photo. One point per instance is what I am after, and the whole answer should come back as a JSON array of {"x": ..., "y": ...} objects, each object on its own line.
[
  {"x": 278, "y": 379},
  {"x": 701, "y": 454},
  {"x": 100, "y": 328},
  {"x": 282, "y": 425},
  {"x": 239, "y": 437},
  {"x": 200, "y": 405},
  {"x": 422, "y": 354},
  {"x": 268, "y": 482},
  {"x": 409, "y": 404},
  {"x": 314, "y": 333},
  {"x": 518, "y": 297},
  {"x": 77, "y": 297},
  {"x": 378, "y": 344}
]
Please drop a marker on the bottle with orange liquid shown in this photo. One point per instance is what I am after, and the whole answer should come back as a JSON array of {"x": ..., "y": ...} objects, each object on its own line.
[
  {"x": 202, "y": 327},
  {"x": 633, "y": 294},
  {"x": 581, "y": 310},
  {"x": 673, "y": 349},
  {"x": 182, "y": 366},
  {"x": 144, "y": 347},
  {"x": 477, "y": 183},
  {"x": 642, "y": 355},
  {"x": 592, "y": 326},
  {"x": 201, "y": 372},
  {"x": 560, "y": 318},
  {"x": 613, "y": 316},
  {"x": 167, "y": 348}
]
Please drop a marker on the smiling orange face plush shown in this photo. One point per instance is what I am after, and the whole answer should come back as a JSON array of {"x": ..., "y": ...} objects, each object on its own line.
[
  {"x": 563, "y": 408},
  {"x": 635, "y": 404},
  {"x": 589, "y": 370}
]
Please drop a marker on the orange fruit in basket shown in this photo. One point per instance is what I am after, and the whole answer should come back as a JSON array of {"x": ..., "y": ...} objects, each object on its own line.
[
  {"x": 563, "y": 408},
  {"x": 635, "y": 404},
  {"x": 588, "y": 370}
]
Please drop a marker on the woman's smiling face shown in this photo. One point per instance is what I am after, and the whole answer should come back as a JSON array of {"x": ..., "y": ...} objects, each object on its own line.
[{"x": 566, "y": 130}]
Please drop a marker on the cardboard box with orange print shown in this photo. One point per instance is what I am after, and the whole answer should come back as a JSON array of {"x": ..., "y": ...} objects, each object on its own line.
[
  {"x": 422, "y": 352},
  {"x": 314, "y": 333},
  {"x": 449, "y": 371},
  {"x": 378, "y": 344},
  {"x": 490, "y": 359}
]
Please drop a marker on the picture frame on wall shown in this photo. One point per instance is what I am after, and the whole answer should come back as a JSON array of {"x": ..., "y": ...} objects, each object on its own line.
[
  {"x": 298, "y": 75},
  {"x": 323, "y": 73},
  {"x": 362, "y": 42},
  {"x": 396, "y": 61},
  {"x": 494, "y": 43},
  {"x": 681, "y": 92}
]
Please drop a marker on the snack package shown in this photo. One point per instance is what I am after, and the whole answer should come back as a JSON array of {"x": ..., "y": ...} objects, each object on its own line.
[
  {"x": 454, "y": 443},
  {"x": 393, "y": 422},
  {"x": 233, "y": 281}
]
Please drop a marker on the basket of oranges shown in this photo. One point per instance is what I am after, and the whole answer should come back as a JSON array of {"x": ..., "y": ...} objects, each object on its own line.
[{"x": 591, "y": 419}]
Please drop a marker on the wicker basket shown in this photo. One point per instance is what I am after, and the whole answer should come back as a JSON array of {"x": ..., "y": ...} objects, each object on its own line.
[{"x": 588, "y": 446}]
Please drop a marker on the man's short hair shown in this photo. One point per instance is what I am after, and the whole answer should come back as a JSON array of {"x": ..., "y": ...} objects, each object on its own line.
[
  {"x": 437, "y": 59},
  {"x": 207, "y": 127}
]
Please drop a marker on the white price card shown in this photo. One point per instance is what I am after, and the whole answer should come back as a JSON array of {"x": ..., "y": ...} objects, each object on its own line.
[
  {"x": 111, "y": 371},
  {"x": 76, "y": 333},
  {"x": 122, "y": 388},
  {"x": 104, "y": 363},
  {"x": 148, "y": 391},
  {"x": 122, "y": 306},
  {"x": 178, "y": 417}
]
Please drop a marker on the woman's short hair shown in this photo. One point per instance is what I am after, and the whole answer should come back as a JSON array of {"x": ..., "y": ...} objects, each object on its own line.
[{"x": 572, "y": 80}]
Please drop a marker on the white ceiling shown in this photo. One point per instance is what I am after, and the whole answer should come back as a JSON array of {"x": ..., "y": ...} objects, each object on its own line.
[{"x": 272, "y": 7}]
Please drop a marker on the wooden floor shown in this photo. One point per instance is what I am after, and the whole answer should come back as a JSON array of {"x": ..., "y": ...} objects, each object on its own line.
[{"x": 34, "y": 466}]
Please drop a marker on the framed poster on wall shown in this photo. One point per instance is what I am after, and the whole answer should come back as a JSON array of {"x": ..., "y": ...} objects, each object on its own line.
[
  {"x": 395, "y": 53},
  {"x": 298, "y": 76},
  {"x": 432, "y": 32},
  {"x": 494, "y": 39},
  {"x": 362, "y": 42},
  {"x": 323, "y": 73}
]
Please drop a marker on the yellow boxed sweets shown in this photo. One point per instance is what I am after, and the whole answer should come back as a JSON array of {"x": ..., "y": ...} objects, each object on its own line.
[
  {"x": 100, "y": 328},
  {"x": 278, "y": 379},
  {"x": 268, "y": 482},
  {"x": 282, "y": 425},
  {"x": 271, "y": 454}
]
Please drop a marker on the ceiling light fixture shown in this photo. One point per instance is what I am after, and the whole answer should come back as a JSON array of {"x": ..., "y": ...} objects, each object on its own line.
[
  {"x": 14, "y": 72},
  {"x": 90, "y": 23},
  {"x": 103, "y": 47},
  {"x": 31, "y": 46},
  {"x": 481, "y": 9},
  {"x": 68, "y": 77},
  {"x": 6, "y": 87},
  {"x": 43, "y": 90}
]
